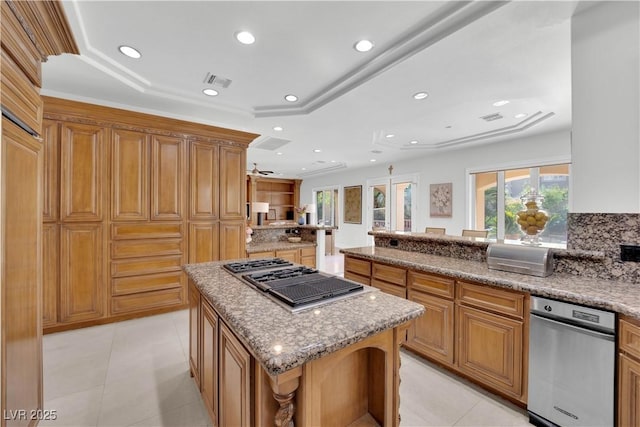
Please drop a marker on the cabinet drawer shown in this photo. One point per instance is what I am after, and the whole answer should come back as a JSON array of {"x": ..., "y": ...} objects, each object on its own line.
[
  {"x": 435, "y": 285},
  {"x": 146, "y": 231},
  {"x": 19, "y": 95},
  {"x": 398, "y": 291},
  {"x": 629, "y": 336},
  {"x": 146, "y": 301},
  {"x": 150, "y": 282},
  {"x": 289, "y": 254},
  {"x": 270, "y": 254},
  {"x": 133, "y": 267},
  {"x": 497, "y": 300},
  {"x": 357, "y": 266},
  {"x": 144, "y": 248},
  {"x": 357, "y": 278},
  {"x": 395, "y": 275},
  {"x": 308, "y": 251}
]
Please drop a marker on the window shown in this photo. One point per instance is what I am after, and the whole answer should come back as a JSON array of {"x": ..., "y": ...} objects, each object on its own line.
[
  {"x": 391, "y": 203},
  {"x": 326, "y": 206},
  {"x": 496, "y": 200}
]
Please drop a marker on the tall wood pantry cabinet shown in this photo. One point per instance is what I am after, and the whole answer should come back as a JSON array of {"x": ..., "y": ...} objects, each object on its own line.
[
  {"x": 31, "y": 31},
  {"x": 130, "y": 198}
]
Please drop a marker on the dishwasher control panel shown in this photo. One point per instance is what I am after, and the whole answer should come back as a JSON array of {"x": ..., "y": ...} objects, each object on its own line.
[{"x": 586, "y": 316}]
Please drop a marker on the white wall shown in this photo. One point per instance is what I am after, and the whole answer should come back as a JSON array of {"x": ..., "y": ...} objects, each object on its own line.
[
  {"x": 605, "y": 44},
  {"x": 450, "y": 166}
]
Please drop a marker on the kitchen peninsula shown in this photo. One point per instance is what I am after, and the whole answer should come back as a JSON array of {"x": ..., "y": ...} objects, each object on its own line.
[{"x": 255, "y": 361}]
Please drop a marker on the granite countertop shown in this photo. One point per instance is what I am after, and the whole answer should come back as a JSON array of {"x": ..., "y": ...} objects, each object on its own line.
[
  {"x": 277, "y": 226},
  {"x": 276, "y": 246},
  {"x": 621, "y": 297},
  {"x": 281, "y": 340}
]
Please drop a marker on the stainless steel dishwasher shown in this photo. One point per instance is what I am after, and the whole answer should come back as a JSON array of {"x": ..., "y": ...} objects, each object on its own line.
[{"x": 571, "y": 365}]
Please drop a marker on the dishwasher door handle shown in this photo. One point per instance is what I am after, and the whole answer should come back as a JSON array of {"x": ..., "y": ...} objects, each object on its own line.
[{"x": 580, "y": 329}]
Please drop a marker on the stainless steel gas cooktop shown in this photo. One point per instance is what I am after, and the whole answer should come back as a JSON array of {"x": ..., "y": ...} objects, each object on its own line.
[{"x": 295, "y": 286}]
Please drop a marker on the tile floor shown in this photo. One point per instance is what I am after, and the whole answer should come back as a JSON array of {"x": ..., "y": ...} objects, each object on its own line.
[{"x": 136, "y": 373}]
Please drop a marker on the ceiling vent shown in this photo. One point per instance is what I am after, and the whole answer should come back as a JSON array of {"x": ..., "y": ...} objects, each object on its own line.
[
  {"x": 212, "y": 79},
  {"x": 269, "y": 143},
  {"x": 492, "y": 117}
]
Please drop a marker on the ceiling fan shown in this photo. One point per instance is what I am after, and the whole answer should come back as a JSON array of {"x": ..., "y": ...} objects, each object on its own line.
[{"x": 256, "y": 171}]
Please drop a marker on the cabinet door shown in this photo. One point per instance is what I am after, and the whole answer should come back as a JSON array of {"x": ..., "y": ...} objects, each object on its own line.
[
  {"x": 82, "y": 295},
  {"x": 209, "y": 363},
  {"x": 194, "y": 332},
  {"x": 432, "y": 333},
  {"x": 232, "y": 182},
  {"x": 129, "y": 176},
  {"x": 389, "y": 288},
  {"x": 82, "y": 172},
  {"x": 20, "y": 270},
  {"x": 628, "y": 392},
  {"x": 291, "y": 255},
  {"x": 235, "y": 381},
  {"x": 232, "y": 240},
  {"x": 167, "y": 178},
  {"x": 203, "y": 181},
  {"x": 50, "y": 269},
  {"x": 204, "y": 242},
  {"x": 490, "y": 349},
  {"x": 50, "y": 195}
]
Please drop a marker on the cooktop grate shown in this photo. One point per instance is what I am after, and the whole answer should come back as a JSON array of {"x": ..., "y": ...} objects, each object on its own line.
[{"x": 303, "y": 293}]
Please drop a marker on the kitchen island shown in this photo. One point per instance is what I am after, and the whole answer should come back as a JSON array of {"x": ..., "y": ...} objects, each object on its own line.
[{"x": 256, "y": 363}]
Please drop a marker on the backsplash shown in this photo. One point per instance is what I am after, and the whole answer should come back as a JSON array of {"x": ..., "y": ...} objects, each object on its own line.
[{"x": 602, "y": 232}]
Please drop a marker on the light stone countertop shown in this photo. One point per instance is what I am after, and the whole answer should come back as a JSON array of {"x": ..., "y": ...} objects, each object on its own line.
[
  {"x": 281, "y": 340},
  {"x": 276, "y": 246},
  {"x": 621, "y": 297}
]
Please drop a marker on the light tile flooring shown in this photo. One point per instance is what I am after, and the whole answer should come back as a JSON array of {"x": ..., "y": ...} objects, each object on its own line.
[{"x": 136, "y": 373}]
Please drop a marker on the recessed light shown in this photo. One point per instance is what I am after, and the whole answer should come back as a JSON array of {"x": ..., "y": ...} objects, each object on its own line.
[
  {"x": 389, "y": 135},
  {"x": 304, "y": 169},
  {"x": 317, "y": 150},
  {"x": 245, "y": 37},
  {"x": 210, "y": 92},
  {"x": 420, "y": 95},
  {"x": 372, "y": 160},
  {"x": 520, "y": 115},
  {"x": 413, "y": 142},
  {"x": 363, "y": 46},
  {"x": 291, "y": 98},
  {"x": 129, "y": 51},
  {"x": 278, "y": 128},
  {"x": 500, "y": 103},
  {"x": 333, "y": 161},
  {"x": 279, "y": 153}
]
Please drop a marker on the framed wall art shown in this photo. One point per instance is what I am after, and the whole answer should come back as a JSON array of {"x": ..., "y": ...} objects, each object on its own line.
[
  {"x": 440, "y": 200},
  {"x": 353, "y": 204}
]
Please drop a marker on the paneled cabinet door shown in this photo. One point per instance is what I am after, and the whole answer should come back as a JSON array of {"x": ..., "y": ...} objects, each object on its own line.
[
  {"x": 20, "y": 272},
  {"x": 167, "y": 178},
  {"x": 490, "y": 349},
  {"x": 82, "y": 283},
  {"x": 50, "y": 269},
  {"x": 194, "y": 332},
  {"x": 204, "y": 243},
  {"x": 82, "y": 172},
  {"x": 432, "y": 333},
  {"x": 233, "y": 188},
  {"x": 50, "y": 195},
  {"x": 629, "y": 392},
  {"x": 235, "y": 381},
  {"x": 204, "y": 182},
  {"x": 232, "y": 240},
  {"x": 129, "y": 176},
  {"x": 209, "y": 363}
]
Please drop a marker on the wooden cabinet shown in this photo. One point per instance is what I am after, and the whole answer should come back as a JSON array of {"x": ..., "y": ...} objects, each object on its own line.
[
  {"x": 208, "y": 349},
  {"x": 204, "y": 188},
  {"x": 232, "y": 239},
  {"x": 235, "y": 371},
  {"x": 232, "y": 183},
  {"x": 129, "y": 176},
  {"x": 167, "y": 178},
  {"x": 629, "y": 372},
  {"x": 389, "y": 279},
  {"x": 204, "y": 241},
  {"x": 50, "y": 273},
  {"x": 432, "y": 334},
  {"x": 82, "y": 282},
  {"x": 195, "y": 333},
  {"x": 305, "y": 255},
  {"x": 292, "y": 255},
  {"x": 476, "y": 330},
  {"x": 491, "y": 337},
  {"x": 283, "y": 196},
  {"x": 50, "y": 170},
  {"x": 308, "y": 256},
  {"x": 358, "y": 270}
]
